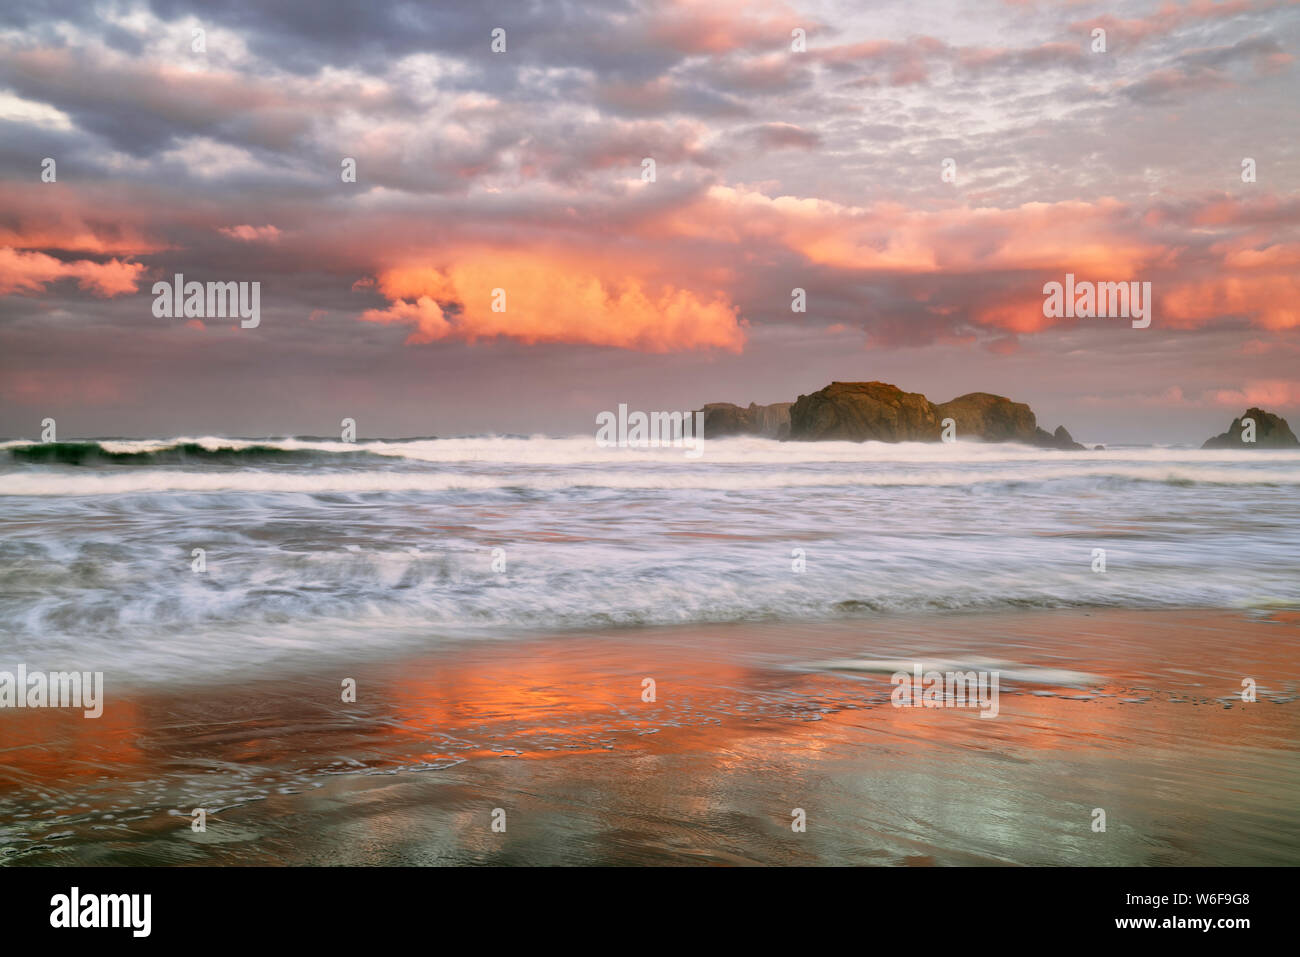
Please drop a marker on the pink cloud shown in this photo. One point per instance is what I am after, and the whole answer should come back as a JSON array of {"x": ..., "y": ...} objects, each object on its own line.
[
  {"x": 1169, "y": 18},
  {"x": 1266, "y": 394},
  {"x": 25, "y": 273},
  {"x": 251, "y": 234},
  {"x": 720, "y": 26}
]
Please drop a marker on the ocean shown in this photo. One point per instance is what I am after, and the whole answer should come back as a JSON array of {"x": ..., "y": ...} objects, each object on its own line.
[
  {"x": 315, "y": 548},
  {"x": 378, "y": 653}
]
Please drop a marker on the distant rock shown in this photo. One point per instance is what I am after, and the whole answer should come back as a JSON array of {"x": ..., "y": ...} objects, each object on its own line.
[
  {"x": 772, "y": 420},
  {"x": 1271, "y": 432},
  {"x": 1099, "y": 448},
  {"x": 862, "y": 412},
  {"x": 1060, "y": 439},
  {"x": 880, "y": 412},
  {"x": 993, "y": 418},
  {"x": 724, "y": 418}
]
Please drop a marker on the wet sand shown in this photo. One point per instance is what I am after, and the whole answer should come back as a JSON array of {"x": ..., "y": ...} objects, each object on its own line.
[{"x": 1134, "y": 712}]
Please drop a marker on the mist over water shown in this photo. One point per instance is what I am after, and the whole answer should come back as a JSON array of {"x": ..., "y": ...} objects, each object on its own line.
[{"x": 318, "y": 547}]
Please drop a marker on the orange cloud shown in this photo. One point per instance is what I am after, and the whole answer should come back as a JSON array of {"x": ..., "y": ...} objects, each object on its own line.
[
  {"x": 1276, "y": 255},
  {"x": 29, "y": 272},
  {"x": 55, "y": 216},
  {"x": 549, "y": 298},
  {"x": 425, "y": 314},
  {"x": 889, "y": 237},
  {"x": 1105, "y": 240},
  {"x": 1015, "y": 313},
  {"x": 1269, "y": 300}
]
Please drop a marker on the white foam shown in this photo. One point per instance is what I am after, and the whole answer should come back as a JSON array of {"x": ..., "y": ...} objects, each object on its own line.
[
  {"x": 583, "y": 450},
  {"x": 695, "y": 476}
]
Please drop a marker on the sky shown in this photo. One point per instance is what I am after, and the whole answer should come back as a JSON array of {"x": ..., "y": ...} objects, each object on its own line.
[{"x": 919, "y": 170}]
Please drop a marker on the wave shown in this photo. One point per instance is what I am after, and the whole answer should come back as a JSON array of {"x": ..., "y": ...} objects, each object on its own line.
[
  {"x": 703, "y": 479},
  {"x": 181, "y": 452},
  {"x": 312, "y": 545},
  {"x": 251, "y": 612},
  {"x": 583, "y": 450}
]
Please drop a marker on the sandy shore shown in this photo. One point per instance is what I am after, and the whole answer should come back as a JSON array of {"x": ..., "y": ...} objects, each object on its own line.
[{"x": 1137, "y": 713}]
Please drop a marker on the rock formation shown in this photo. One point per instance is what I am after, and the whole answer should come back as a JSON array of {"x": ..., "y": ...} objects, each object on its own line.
[
  {"x": 861, "y": 411},
  {"x": 1271, "y": 432},
  {"x": 992, "y": 418},
  {"x": 877, "y": 411},
  {"x": 1060, "y": 439},
  {"x": 723, "y": 418}
]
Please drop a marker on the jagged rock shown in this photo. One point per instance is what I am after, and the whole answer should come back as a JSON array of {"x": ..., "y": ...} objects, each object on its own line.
[
  {"x": 1271, "y": 432},
  {"x": 724, "y": 418},
  {"x": 1064, "y": 440},
  {"x": 864, "y": 411},
  {"x": 1060, "y": 439}
]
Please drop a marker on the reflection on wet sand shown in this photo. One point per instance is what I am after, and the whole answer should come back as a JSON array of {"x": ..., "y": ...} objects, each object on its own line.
[{"x": 749, "y": 722}]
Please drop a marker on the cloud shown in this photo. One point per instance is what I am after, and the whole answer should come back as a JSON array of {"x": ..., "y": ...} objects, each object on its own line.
[
  {"x": 30, "y": 272},
  {"x": 776, "y": 136},
  {"x": 1270, "y": 394},
  {"x": 1168, "y": 20},
  {"x": 721, "y": 26},
  {"x": 144, "y": 106},
  {"x": 251, "y": 234},
  {"x": 548, "y": 298},
  {"x": 775, "y": 169},
  {"x": 994, "y": 262},
  {"x": 1270, "y": 301},
  {"x": 60, "y": 216},
  {"x": 890, "y": 237}
]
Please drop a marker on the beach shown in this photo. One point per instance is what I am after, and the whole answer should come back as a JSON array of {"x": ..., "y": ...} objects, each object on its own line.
[{"x": 1136, "y": 712}]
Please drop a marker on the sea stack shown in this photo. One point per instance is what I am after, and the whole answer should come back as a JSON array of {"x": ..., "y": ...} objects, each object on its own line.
[
  {"x": 1267, "y": 430},
  {"x": 880, "y": 412},
  {"x": 724, "y": 418},
  {"x": 863, "y": 412}
]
